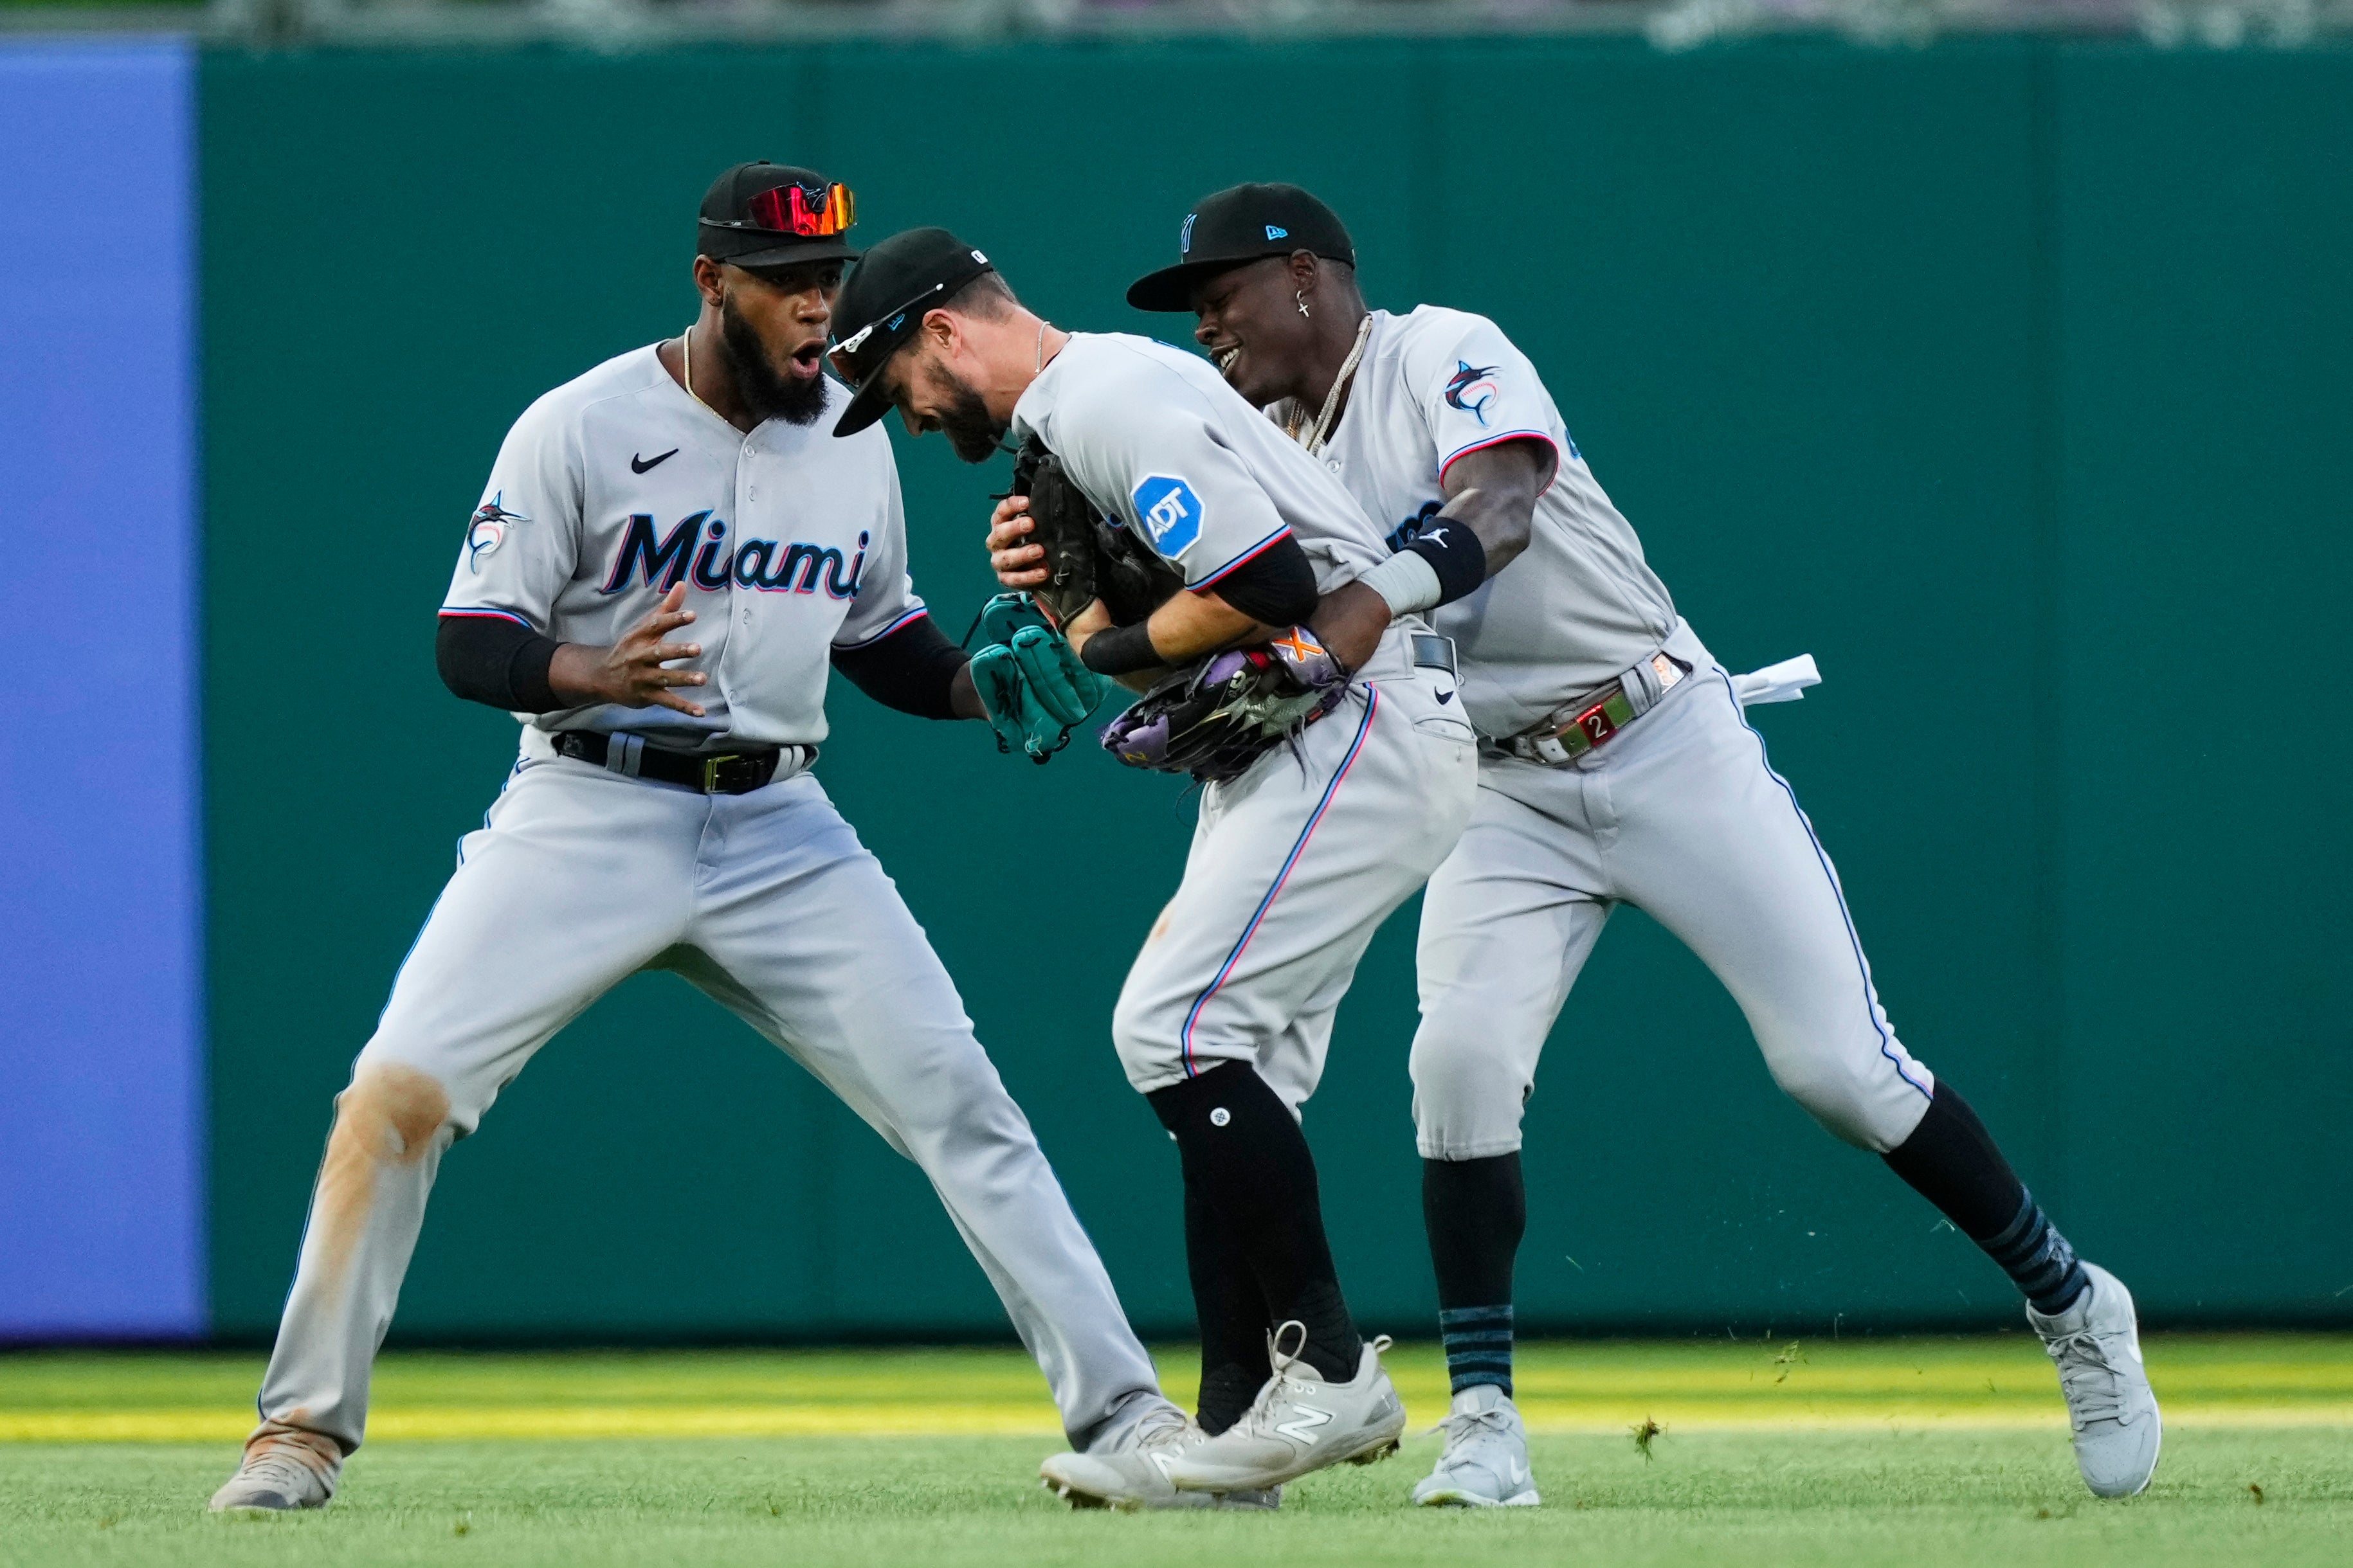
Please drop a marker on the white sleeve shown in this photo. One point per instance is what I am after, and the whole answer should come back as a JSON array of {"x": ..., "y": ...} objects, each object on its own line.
[
  {"x": 1474, "y": 389},
  {"x": 1153, "y": 458},
  {"x": 883, "y": 598},
  {"x": 524, "y": 538}
]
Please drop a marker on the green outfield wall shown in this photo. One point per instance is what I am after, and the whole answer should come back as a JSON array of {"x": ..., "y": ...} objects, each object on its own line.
[{"x": 2014, "y": 380}]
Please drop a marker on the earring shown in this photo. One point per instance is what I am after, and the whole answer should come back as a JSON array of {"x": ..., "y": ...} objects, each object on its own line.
[{"x": 1301, "y": 296}]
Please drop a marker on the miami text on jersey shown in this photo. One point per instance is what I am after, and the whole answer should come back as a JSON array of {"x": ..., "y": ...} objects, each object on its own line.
[
  {"x": 1471, "y": 391},
  {"x": 762, "y": 564}
]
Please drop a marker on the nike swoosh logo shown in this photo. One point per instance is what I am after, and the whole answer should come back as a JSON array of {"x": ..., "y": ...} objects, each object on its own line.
[
  {"x": 1445, "y": 697},
  {"x": 640, "y": 465}
]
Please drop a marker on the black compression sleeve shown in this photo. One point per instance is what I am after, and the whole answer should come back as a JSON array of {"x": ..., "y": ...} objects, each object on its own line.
[
  {"x": 488, "y": 658},
  {"x": 1121, "y": 650},
  {"x": 913, "y": 670},
  {"x": 1274, "y": 588}
]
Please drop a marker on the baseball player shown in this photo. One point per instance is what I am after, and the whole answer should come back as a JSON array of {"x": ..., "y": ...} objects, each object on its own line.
[
  {"x": 1616, "y": 767},
  {"x": 669, "y": 552},
  {"x": 1299, "y": 854}
]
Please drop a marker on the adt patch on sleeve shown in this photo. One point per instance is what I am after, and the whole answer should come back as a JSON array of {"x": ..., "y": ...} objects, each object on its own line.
[{"x": 1170, "y": 512}]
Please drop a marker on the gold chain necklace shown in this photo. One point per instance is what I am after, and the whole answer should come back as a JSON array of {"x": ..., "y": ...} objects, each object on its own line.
[
  {"x": 1321, "y": 430},
  {"x": 686, "y": 364}
]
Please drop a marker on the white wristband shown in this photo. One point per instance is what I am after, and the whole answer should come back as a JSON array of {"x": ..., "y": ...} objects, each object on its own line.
[{"x": 1406, "y": 583}]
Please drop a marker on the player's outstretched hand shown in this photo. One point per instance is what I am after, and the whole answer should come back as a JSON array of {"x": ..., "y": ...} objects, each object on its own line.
[
  {"x": 1017, "y": 564},
  {"x": 631, "y": 672}
]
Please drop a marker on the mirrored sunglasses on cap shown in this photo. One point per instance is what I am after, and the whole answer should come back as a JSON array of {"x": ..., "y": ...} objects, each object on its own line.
[
  {"x": 797, "y": 209},
  {"x": 842, "y": 352}
]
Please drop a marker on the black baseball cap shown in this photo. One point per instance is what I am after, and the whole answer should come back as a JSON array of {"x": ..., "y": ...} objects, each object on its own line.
[
  {"x": 774, "y": 215},
  {"x": 1239, "y": 224},
  {"x": 882, "y": 304}
]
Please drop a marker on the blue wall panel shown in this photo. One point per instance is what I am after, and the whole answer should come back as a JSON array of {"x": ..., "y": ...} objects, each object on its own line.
[{"x": 101, "y": 1130}]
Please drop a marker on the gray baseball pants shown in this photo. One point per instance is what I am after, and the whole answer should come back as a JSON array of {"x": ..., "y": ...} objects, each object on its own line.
[
  {"x": 1293, "y": 866},
  {"x": 768, "y": 903},
  {"x": 1681, "y": 817}
]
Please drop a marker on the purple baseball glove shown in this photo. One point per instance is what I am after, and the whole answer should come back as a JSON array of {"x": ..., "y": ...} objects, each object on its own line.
[{"x": 1214, "y": 721}]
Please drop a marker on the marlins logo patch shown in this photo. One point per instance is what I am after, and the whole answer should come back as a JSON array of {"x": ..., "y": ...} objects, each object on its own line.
[
  {"x": 488, "y": 530},
  {"x": 1170, "y": 512},
  {"x": 1471, "y": 389}
]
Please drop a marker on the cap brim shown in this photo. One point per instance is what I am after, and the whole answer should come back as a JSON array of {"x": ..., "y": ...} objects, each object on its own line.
[
  {"x": 867, "y": 404},
  {"x": 798, "y": 254},
  {"x": 1171, "y": 287}
]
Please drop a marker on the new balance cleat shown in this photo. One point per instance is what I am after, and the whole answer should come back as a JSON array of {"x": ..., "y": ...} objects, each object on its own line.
[
  {"x": 2095, "y": 1344},
  {"x": 1134, "y": 1475},
  {"x": 1485, "y": 1464},
  {"x": 1299, "y": 1422}
]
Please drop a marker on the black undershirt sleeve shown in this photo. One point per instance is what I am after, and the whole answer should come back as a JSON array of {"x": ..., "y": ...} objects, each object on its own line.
[
  {"x": 488, "y": 658},
  {"x": 913, "y": 670},
  {"x": 1276, "y": 588}
]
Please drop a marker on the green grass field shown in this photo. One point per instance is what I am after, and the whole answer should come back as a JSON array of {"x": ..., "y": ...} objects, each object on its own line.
[{"x": 1920, "y": 1452}]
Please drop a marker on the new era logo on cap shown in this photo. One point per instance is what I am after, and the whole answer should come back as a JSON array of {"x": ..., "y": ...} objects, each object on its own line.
[{"x": 1274, "y": 232}]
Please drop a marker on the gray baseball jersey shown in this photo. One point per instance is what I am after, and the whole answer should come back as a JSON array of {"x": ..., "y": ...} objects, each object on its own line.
[
  {"x": 1581, "y": 605},
  {"x": 1156, "y": 439},
  {"x": 1678, "y": 814},
  {"x": 616, "y": 487},
  {"x": 611, "y": 490},
  {"x": 1297, "y": 862}
]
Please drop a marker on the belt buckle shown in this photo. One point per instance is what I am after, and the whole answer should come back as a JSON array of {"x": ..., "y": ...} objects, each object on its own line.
[
  {"x": 711, "y": 766},
  {"x": 1593, "y": 726}
]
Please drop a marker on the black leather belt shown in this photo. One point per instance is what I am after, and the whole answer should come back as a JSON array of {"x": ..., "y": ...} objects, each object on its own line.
[{"x": 734, "y": 772}]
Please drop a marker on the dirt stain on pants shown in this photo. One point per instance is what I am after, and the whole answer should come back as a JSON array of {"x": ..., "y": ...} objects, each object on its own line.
[{"x": 389, "y": 1116}]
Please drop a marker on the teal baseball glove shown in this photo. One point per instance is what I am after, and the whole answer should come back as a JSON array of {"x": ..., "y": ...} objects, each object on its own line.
[{"x": 1033, "y": 687}]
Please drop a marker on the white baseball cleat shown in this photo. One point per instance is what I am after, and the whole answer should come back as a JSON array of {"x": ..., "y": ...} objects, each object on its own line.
[
  {"x": 275, "y": 1477},
  {"x": 1299, "y": 1422},
  {"x": 1134, "y": 1475},
  {"x": 1485, "y": 1464},
  {"x": 2097, "y": 1344}
]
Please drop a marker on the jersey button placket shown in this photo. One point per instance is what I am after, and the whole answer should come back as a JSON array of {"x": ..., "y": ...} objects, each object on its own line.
[
  {"x": 751, "y": 495},
  {"x": 747, "y": 491}
]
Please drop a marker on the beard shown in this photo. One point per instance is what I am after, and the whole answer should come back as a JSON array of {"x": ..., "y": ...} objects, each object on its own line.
[
  {"x": 765, "y": 391},
  {"x": 974, "y": 434}
]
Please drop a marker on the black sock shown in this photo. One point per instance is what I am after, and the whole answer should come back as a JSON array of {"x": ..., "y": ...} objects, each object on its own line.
[
  {"x": 1246, "y": 1156},
  {"x": 1951, "y": 1160},
  {"x": 1475, "y": 1212},
  {"x": 1232, "y": 1314}
]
